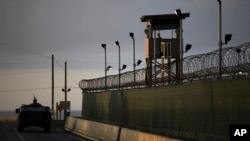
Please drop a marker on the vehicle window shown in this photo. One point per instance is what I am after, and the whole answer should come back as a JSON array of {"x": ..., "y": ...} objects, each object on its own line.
[{"x": 34, "y": 109}]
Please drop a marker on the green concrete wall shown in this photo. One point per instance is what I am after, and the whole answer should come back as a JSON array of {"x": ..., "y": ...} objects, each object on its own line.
[{"x": 198, "y": 111}]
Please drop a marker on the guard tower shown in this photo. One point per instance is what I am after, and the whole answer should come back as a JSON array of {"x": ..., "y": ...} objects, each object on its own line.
[{"x": 158, "y": 50}]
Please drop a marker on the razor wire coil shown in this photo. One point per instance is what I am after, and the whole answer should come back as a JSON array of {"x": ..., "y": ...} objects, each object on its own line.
[{"x": 202, "y": 66}]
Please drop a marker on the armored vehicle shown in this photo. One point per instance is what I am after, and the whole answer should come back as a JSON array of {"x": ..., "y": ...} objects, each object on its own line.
[{"x": 34, "y": 114}]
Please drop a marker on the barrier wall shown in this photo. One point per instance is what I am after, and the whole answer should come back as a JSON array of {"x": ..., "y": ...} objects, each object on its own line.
[
  {"x": 91, "y": 129},
  {"x": 196, "y": 111},
  {"x": 105, "y": 132},
  {"x": 133, "y": 135}
]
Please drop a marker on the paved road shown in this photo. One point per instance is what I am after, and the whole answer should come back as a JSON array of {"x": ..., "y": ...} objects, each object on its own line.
[{"x": 8, "y": 132}]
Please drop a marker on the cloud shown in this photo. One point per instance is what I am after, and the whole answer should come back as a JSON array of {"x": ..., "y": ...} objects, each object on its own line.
[{"x": 32, "y": 30}]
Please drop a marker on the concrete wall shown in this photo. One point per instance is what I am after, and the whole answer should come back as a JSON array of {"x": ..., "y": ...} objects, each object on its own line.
[
  {"x": 105, "y": 132},
  {"x": 94, "y": 130},
  {"x": 198, "y": 111},
  {"x": 133, "y": 135}
]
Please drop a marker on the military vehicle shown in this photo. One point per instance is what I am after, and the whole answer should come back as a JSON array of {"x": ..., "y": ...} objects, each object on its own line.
[{"x": 34, "y": 114}]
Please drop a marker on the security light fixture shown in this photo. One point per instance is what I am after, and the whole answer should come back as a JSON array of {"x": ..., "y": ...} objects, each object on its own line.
[
  {"x": 124, "y": 67},
  {"x": 131, "y": 34},
  {"x": 139, "y": 62},
  {"x": 104, "y": 46},
  {"x": 109, "y": 68},
  {"x": 188, "y": 47},
  {"x": 228, "y": 38},
  {"x": 67, "y": 90},
  {"x": 117, "y": 43},
  {"x": 178, "y": 12}
]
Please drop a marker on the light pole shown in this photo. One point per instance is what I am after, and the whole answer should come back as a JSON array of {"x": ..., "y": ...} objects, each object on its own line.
[
  {"x": 105, "y": 67},
  {"x": 131, "y": 34},
  {"x": 65, "y": 90},
  {"x": 119, "y": 65},
  {"x": 52, "y": 84},
  {"x": 179, "y": 14},
  {"x": 220, "y": 41},
  {"x": 227, "y": 39},
  {"x": 238, "y": 70}
]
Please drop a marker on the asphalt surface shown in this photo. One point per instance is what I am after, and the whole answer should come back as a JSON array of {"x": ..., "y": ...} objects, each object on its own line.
[{"x": 8, "y": 132}]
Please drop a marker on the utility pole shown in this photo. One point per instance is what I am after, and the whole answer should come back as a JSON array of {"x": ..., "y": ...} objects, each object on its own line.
[
  {"x": 66, "y": 90},
  {"x": 52, "y": 85},
  {"x": 220, "y": 43}
]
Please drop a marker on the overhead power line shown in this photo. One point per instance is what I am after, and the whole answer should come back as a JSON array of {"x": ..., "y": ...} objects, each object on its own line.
[
  {"x": 61, "y": 66},
  {"x": 24, "y": 50},
  {"x": 33, "y": 89},
  {"x": 24, "y": 90}
]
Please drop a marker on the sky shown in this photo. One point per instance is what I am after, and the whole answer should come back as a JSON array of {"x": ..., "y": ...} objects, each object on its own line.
[{"x": 73, "y": 30}]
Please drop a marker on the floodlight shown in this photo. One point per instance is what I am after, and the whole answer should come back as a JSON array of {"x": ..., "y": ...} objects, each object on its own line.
[
  {"x": 124, "y": 67},
  {"x": 67, "y": 90},
  {"x": 228, "y": 38},
  {"x": 104, "y": 46},
  {"x": 178, "y": 12},
  {"x": 117, "y": 43},
  {"x": 188, "y": 47},
  {"x": 109, "y": 68},
  {"x": 139, "y": 62},
  {"x": 131, "y": 34}
]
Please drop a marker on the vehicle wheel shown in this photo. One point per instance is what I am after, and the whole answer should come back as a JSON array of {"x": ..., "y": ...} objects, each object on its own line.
[
  {"x": 47, "y": 129},
  {"x": 20, "y": 128}
]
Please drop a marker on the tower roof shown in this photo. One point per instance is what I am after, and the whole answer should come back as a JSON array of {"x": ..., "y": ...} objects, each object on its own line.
[{"x": 164, "y": 21}]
